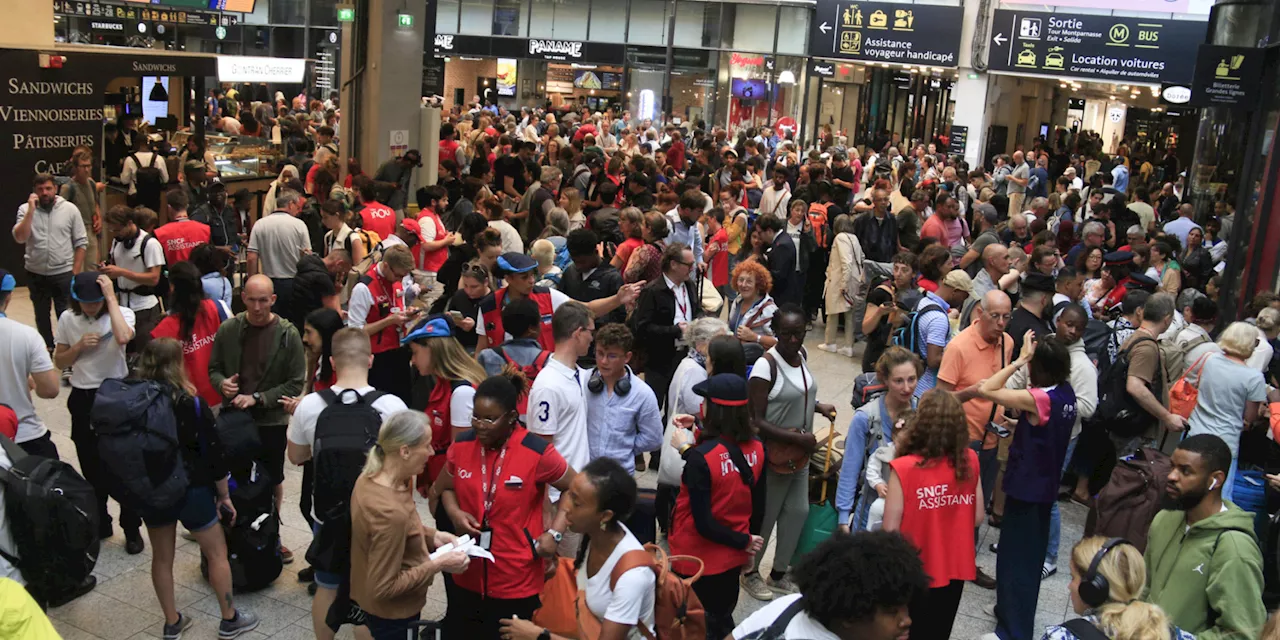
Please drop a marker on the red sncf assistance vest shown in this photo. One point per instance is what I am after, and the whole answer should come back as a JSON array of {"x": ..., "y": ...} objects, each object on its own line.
[
  {"x": 388, "y": 298},
  {"x": 938, "y": 515},
  {"x": 730, "y": 506},
  {"x": 431, "y": 261},
  {"x": 491, "y": 313},
  {"x": 437, "y": 408},
  {"x": 516, "y": 515}
]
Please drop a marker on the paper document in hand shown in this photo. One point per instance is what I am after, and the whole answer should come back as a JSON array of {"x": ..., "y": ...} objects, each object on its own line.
[{"x": 466, "y": 545}]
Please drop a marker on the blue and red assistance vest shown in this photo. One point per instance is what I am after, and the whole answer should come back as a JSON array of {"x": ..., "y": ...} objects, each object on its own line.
[
  {"x": 730, "y": 505},
  {"x": 491, "y": 313}
]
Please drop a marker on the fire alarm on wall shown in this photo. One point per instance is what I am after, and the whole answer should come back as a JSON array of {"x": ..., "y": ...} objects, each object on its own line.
[{"x": 52, "y": 61}]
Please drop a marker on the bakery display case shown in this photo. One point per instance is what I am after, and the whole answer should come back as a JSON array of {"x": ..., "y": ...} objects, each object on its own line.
[{"x": 238, "y": 159}]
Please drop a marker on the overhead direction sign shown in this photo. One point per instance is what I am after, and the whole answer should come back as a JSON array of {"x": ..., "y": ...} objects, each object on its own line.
[{"x": 917, "y": 34}]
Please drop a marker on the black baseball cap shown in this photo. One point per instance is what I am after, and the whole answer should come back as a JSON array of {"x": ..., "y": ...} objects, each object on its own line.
[
  {"x": 724, "y": 389},
  {"x": 85, "y": 287}
]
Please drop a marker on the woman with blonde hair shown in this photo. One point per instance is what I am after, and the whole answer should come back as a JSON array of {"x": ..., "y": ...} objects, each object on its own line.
[
  {"x": 391, "y": 567},
  {"x": 1230, "y": 392},
  {"x": 446, "y": 387},
  {"x": 207, "y": 494},
  {"x": 571, "y": 202},
  {"x": 1108, "y": 579}
]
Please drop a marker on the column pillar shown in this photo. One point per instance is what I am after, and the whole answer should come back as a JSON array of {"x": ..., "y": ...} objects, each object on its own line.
[
  {"x": 381, "y": 76},
  {"x": 970, "y": 89}
]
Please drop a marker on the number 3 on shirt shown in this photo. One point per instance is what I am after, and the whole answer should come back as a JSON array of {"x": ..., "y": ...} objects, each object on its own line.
[{"x": 544, "y": 411}]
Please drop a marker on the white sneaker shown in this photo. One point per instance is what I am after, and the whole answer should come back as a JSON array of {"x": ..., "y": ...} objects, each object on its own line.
[
  {"x": 830, "y": 348},
  {"x": 755, "y": 587},
  {"x": 990, "y": 610},
  {"x": 1047, "y": 570},
  {"x": 845, "y": 351}
]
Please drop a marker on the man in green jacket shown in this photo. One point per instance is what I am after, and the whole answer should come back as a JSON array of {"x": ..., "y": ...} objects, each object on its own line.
[
  {"x": 257, "y": 361},
  {"x": 1203, "y": 564}
]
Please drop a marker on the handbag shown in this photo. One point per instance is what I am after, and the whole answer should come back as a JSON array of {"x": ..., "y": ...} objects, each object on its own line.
[
  {"x": 1183, "y": 394},
  {"x": 782, "y": 457},
  {"x": 823, "y": 519}
]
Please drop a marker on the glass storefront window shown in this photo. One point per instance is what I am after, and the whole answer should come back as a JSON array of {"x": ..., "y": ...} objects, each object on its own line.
[
  {"x": 648, "y": 23},
  {"x": 288, "y": 42},
  {"x": 753, "y": 27},
  {"x": 446, "y": 17},
  {"x": 542, "y": 19},
  {"x": 476, "y": 17},
  {"x": 793, "y": 29},
  {"x": 507, "y": 19},
  {"x": 691, "y": 19},
  {"x": 571, "y": 19},
  {"x": 288, "y": 12},
  {"x": 605, "y": 23}
]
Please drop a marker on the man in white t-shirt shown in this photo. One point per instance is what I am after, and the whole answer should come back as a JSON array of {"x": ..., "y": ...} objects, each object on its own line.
[
  {"x": 557, "y": 401},
  {"x": 136, "y": 260},
  {"x": 23, "y": 361},
  {"x": 351, "y": 357},
  {"x": 860, "y": 585}
]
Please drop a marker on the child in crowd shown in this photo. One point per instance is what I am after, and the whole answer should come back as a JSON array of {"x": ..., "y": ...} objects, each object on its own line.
[{"x": 877, "y": 473}]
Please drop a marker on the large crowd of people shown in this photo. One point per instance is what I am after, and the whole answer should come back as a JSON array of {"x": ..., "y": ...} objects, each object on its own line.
[{"x": 578, "y": 298}]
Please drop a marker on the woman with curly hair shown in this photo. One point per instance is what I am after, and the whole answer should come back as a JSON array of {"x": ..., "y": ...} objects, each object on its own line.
[
  {"x": 935, "y": 500},
  {"x": 752, "y": 310},
  {"x": 851, "y": 586}
]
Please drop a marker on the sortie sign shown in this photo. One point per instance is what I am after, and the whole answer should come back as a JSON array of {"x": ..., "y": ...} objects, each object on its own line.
[
  {"x": 918, "y": 34},
  {"x": 1147, "y": 50}
]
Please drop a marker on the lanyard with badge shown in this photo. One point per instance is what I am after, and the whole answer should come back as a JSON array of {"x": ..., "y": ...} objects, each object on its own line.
[{"x": 489, "y": 491}]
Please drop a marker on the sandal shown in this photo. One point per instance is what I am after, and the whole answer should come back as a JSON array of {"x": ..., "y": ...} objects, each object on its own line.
[
  {"x": 994, "y": 520},
  {"x": 1084, "y": 502}
]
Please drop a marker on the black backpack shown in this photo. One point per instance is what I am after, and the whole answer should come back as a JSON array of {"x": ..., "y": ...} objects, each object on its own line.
[
  {"x": 253, "y": 540},
  {"x": 53, "y": 515},
  {"x": 1118, "y": 412},
  {"x": 147, "y": 180},
  {"x": 161, "y": 287},
  {"x": 138, "y": 441},
  {"x": 1098, "y": 338},
  {"x": 344, "y": 435}
]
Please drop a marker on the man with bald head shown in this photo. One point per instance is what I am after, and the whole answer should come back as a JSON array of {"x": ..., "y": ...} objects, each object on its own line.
[
  {"x": 1017, "y": 183},
  {"x": 995, "y": 264},
  {"x": 257, "y": 363},
  {"x": 975, "y": 354},
  {"x": 1184, "y": 224}
]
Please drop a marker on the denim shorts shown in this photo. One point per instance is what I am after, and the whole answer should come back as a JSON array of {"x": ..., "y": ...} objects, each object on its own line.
[
  {"x": 196, "y": 511},
  {"x": 324, "y": 579}
]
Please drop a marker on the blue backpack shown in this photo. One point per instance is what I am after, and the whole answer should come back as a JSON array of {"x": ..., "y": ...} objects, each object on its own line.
[
  {"x": 908, "y": 335},
  {"x": 138, "y": 441}
]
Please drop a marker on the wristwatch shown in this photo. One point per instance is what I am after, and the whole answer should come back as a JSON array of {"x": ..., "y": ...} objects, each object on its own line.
[
  {"x": 556, "y": 535},
  {"x": 545, "y": 635},
  {"x": 257, "y": 397}
]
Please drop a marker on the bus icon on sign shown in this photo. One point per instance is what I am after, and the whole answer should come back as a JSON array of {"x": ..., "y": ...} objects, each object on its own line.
[{"x": 1029, "y": 29}]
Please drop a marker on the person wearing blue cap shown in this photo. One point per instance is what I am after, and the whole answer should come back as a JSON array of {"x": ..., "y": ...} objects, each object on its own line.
[
  {"x": 91, "y": 340},
  {"x": 520, "y": 272},
  {"x": 446, "y": 388},
  {"x": 23, "y": 354}
]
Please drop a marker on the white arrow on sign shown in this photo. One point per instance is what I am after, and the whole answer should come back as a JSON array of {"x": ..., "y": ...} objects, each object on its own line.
[
  {"x": 824, "y": 27},
  {"x": 999, "y": 39}
]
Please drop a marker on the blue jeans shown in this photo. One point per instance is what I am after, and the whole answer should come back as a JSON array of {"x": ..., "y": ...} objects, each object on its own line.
[
  {"x": 1055, "y": 516},
  {"x": 384, "y": 629},
  {"x": 1023, "y": 537}
]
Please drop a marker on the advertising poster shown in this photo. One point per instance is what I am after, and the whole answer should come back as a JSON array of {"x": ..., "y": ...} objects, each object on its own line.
[{"x": 507, "y": 77}]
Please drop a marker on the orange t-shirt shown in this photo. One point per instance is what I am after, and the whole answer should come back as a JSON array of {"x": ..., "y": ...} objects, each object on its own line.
[{"x": 968, "y": 360}]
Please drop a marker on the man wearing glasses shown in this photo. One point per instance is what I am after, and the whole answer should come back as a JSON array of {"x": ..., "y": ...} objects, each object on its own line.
[{"x": 972, "y": 356}]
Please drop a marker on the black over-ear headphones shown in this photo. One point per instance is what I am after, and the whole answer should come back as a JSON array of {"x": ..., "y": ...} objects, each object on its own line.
[
  {"x": 1094, "y": 588},
  {"x": 595, "y": 384}
]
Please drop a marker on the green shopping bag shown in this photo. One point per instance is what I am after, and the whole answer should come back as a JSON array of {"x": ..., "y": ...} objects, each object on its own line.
[{"x": 823, "y": 520}]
